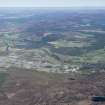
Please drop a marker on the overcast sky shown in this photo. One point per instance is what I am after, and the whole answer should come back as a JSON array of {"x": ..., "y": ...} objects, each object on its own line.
[{"x": 52, "y": 3}]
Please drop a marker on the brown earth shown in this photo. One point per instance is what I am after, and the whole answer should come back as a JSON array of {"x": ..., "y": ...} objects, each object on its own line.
[{"x": 24, "y": 87}]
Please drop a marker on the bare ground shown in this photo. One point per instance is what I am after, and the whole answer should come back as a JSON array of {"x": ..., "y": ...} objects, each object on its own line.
[{"x": 24, "y": 87}]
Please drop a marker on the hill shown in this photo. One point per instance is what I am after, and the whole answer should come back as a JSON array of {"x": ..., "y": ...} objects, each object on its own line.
[{"x": 22, "y": 87}]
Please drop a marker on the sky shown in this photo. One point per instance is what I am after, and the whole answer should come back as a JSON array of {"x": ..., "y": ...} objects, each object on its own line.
[{"x": 52, "y": 3}]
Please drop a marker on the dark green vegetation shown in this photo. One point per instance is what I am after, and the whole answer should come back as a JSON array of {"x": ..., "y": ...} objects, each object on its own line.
[
  {"x": 61, "y": 40},
  {"x": 3, "y": 77}
]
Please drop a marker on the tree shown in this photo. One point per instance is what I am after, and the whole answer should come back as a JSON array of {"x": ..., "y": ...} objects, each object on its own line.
[{"x": 8, "y": 41}]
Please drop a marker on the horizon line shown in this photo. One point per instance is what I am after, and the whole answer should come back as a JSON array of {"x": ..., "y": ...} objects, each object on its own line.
[{"x": 52, "y": 7}]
